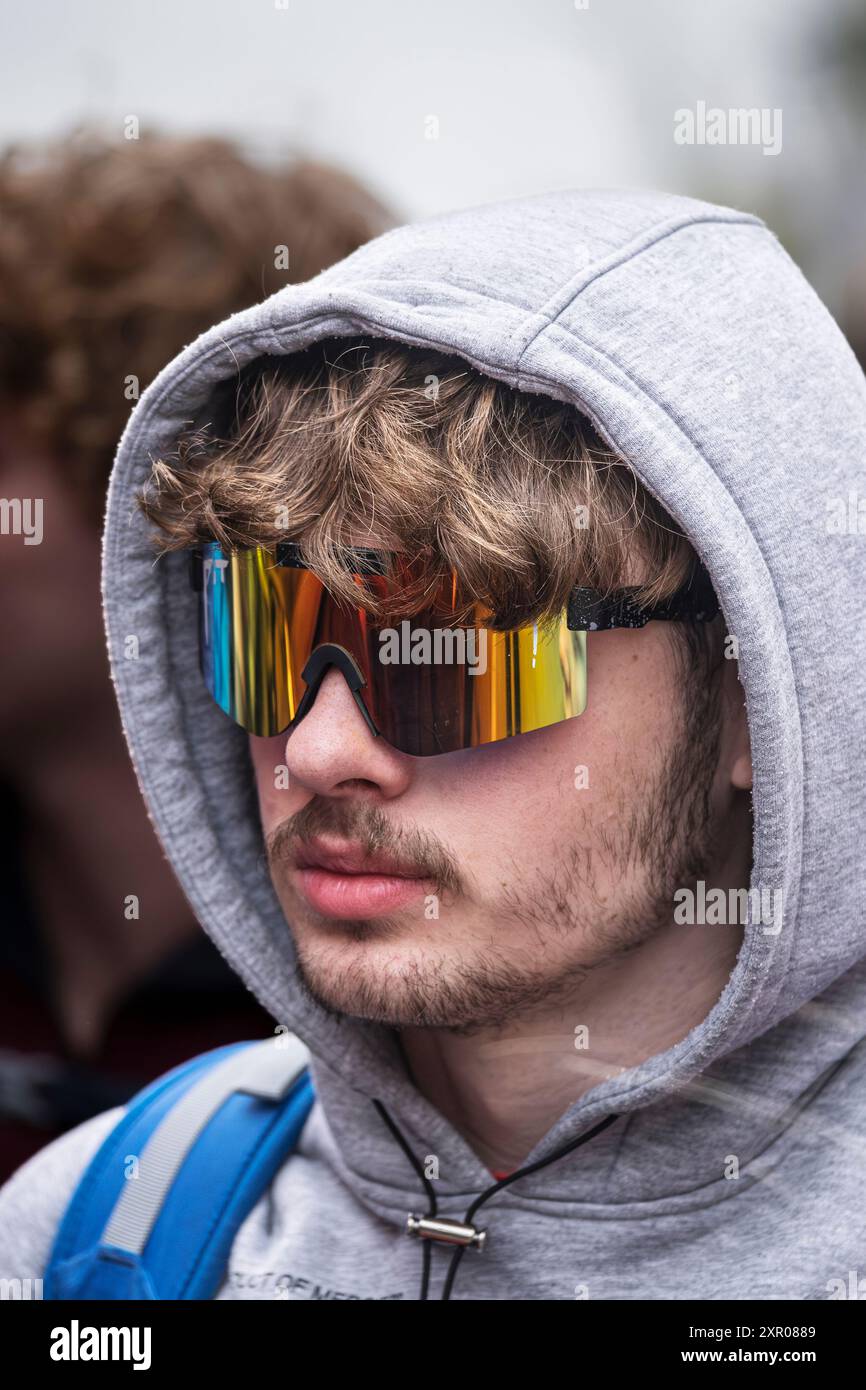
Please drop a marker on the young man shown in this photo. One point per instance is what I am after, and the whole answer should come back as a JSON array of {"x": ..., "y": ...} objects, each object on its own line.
[{"x": 550, "y": 952}]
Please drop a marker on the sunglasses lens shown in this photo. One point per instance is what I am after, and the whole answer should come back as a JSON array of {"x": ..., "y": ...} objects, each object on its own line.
[
  {"x": 462, "y": 686},
  {"x": 248, "y": 609},
  {"x": 432, "y": 685},
  {"x": 436, "y": 684}
]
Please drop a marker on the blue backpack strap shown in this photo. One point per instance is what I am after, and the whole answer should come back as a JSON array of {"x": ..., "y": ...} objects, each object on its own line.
[{"x": 158, "y": 1207}]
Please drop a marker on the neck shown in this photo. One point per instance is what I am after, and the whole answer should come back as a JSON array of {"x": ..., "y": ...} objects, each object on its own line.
[{"x": 503, "y": 1091}]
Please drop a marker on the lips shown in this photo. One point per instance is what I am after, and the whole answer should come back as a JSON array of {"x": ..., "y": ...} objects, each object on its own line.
[
  {"x": 341, "y": 881},
  {"x": 316, "y": 854}
]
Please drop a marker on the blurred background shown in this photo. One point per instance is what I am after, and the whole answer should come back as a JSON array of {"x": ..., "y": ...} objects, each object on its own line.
[{"x": 152, "y": 157}]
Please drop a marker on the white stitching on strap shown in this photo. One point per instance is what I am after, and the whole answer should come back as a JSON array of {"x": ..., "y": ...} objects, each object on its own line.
[{"x": 265, "y": 1069}]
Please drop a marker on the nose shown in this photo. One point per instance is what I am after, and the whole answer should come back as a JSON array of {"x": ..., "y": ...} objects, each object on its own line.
[{"x": 332, "y": 749}]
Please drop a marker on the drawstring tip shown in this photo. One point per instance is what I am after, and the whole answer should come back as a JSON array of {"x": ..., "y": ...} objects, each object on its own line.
[{"x": 444, "y": 1229}]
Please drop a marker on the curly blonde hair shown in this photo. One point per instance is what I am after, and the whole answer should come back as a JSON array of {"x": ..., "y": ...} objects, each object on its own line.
[{"x": 358, "y": 442}]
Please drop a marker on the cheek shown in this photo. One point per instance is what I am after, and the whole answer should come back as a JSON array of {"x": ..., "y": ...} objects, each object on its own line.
[
  {"x": 521, "y": 800},
  {"x": 508, "y": 808},
  {"x": 633, "y": 699},
  {"x": 268, "y": 757}
]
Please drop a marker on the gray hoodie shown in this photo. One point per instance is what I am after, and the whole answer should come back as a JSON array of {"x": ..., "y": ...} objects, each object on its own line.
[{"x": 735, "y": 1168}]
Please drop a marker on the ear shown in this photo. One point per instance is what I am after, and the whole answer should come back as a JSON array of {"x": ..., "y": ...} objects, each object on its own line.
[
  {"x": 738, "y": 744},
  {"x": 741, "y": 773}
]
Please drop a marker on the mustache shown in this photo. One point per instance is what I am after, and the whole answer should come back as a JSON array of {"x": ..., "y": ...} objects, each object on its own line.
[{"x": 420, "y": 852}]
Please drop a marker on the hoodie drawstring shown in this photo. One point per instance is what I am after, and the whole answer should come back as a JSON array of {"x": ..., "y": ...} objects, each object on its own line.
[{"x": 471, "y": 1236}]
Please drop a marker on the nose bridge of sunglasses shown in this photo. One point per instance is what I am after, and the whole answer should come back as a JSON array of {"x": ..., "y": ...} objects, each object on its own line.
[{"x": 321, "y": 660}]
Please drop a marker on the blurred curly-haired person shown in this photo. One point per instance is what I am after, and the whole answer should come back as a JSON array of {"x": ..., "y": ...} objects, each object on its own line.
[{"x": 113, "y": 256}]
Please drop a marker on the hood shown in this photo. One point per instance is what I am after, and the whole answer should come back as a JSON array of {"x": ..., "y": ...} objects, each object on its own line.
[{"x": 695, "y": 346}]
